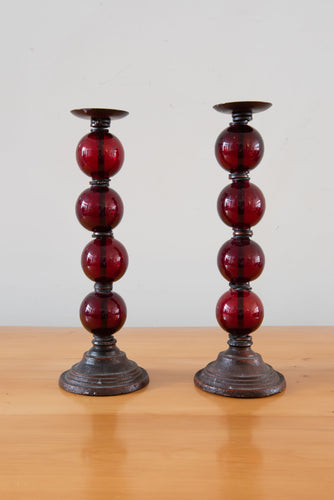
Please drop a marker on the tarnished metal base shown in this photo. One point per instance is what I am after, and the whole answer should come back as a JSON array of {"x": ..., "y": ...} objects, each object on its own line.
[
  {"x": 104, "y": 371},
  {"x": 240, "y": 373}
]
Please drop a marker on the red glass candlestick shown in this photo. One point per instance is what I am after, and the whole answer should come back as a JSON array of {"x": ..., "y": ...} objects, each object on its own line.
[
  {"x": 239, "y": 371},
  {"x": 104, "y": 369}
]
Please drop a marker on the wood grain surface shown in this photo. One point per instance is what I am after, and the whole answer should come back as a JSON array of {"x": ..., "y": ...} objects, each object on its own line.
[{"x": 169, "y": 440}]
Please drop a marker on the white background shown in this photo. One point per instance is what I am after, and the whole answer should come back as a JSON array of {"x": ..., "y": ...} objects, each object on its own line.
[{"x": 167, "y": 63}]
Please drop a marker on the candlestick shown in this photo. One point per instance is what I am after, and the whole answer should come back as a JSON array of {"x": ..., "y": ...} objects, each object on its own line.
[
  {"x": 239, "y": 371},
  {"x": 104, "y": 369}
]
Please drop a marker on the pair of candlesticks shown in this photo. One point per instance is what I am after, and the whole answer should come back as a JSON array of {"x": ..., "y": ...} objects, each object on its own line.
[{"x": 105, "y": 370}]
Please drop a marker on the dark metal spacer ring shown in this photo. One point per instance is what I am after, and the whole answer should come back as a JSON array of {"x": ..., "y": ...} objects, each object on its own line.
[
  {"x": 103, "y": 288},
  {"x": 245, "y": 341},
  {"x": 99, "y": 123},
  {"x": 242, "y": 233},
  {"x": 239, "y": 176},
  {"x": 100, "y": 182},
  {"x": 102, "y": 234},
  {"x": 240, "y": 286},
  {"x": 242, "y": 117}
]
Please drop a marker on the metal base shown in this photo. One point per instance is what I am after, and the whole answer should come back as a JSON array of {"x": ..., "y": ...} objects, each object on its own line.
[
  {"x": 240, "y": 373},
  {"x": 104, "y": 371}
]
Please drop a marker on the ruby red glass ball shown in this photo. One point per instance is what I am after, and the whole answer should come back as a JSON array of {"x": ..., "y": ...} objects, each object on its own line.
[
  {"x": 99, "y": 209},
  {"x": 104, "y": 259},
  {"x": 239, "y": 147},
  {"x": 103, "y": 315},
  {"x": 100, "y": 154},
  {"x": 240, "y": 260},
  {"x": 241, "y": 204},
  {"x": 239, "y": 312}
]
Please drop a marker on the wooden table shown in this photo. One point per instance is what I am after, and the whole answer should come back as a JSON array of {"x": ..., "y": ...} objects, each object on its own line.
[{"x": 169, "y": 440}]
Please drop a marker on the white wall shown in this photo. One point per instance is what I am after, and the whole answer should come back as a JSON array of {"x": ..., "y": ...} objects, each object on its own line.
[{"x": 167, "y": 63}]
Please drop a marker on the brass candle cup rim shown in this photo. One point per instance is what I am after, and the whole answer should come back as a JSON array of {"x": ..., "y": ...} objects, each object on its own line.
[
  {"x": 242, "y": 107},
  {"x": 99, "y": 113}
]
